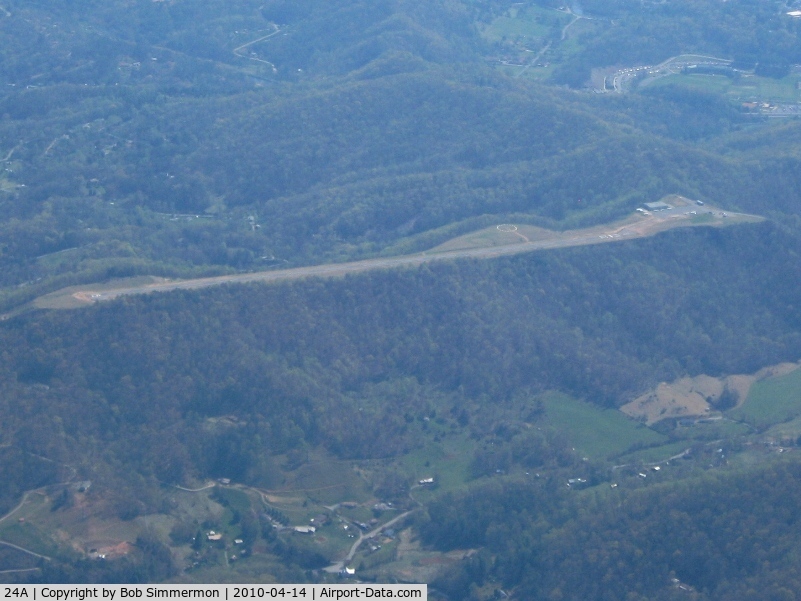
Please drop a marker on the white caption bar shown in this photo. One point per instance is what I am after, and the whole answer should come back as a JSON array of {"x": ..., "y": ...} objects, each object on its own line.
[{"x": 224, "y": 592}]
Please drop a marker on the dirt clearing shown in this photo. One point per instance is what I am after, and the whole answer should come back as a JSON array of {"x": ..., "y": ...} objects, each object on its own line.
[{"x": 696, "y": 397}]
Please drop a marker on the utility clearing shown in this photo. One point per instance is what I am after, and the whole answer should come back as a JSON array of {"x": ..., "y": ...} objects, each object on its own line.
[{"x": 495, "y": 241}]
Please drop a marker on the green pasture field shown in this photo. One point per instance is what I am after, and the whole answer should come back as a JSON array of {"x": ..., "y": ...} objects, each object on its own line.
[
  {"x": 533, "y": 26},
  {"x": 30, "y": 537},
  {"x": 257, "y": 569},
  {"x": 785, "y": 430},
  {"x": 746, "y": 88},
  {"x": 235, "y": 499},
  {"x": 716, "y": 429},
  {"x": 530, "y": 22},
  {"x": 538, "y": 73},
  {"x": 328, "y": 481},
  {"x": 654, "y": 454},
  {"x": 598, "y": 433},
  {"x": 772, "y": 401},
  {"x": 719, "y": 84},
  {"x": 572, "y": 44},
  {"x": 764, "y": 88},
  {"x": 447, "y": 461},
  {"x": 332, "y": 540}
]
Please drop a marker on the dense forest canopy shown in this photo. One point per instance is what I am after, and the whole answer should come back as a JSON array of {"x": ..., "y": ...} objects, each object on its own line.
[
  {"x": 183, "y": 138},
  {"x": 342, "y": 128}
]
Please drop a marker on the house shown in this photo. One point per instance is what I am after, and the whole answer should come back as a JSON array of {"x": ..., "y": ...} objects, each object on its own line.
[
  {"x": 305, "y": 529},
  {"x": 426, "y": 481}
]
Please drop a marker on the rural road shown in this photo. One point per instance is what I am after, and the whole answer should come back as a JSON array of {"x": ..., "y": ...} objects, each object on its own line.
[
  {"x": 238, "y": 51},
  {"x": 12, "y": 512},
  {"x": 29, "y": 552},
  {"x": 334, "y": 568},
  {"x": 638, "y": 227},
  {"x": 20, "y": 504}
]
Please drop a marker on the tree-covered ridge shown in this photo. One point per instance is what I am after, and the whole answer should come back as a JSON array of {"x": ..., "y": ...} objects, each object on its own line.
[
  {"x": 83, "y": 42},
  {"x": 753, "y": 34},
  {"x": 340, "y": 363},
  {"x": 725, "y": 536},
  {"x": 231, "y": 382},
  {"x": 392, "y": 128},
  {"x": 186, "y": 137}
]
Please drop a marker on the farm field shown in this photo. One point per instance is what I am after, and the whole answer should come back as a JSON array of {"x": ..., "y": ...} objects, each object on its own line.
[
  {"x": 599, "y": 433},
  {"x": 743, "y": 89},
  {"x": 654, "y": 454},
  {"x": 772, "y": 401},
  {"x": 534, "y": 39},
  {"x": 446, "y": 461},
  {"x": 342, "y": 491},
  {"x": 525, "y": 24}
]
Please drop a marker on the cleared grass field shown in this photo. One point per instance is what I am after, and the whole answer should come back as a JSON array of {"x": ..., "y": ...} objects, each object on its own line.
[
  {"x": 598, "y": 433},
  {"x": 531, "y": 22},
  {"x": 447, "y": 461},
  {"x": 493, "y": 236},
  {"x": 785, "y": 430},
  {"x": 528, "y": 30},
  {"x": 326, "y": 482},
  {"x": 772, "y": 401},
  {"x": 30, "y": 537},
  {"x": 745, "y": 88},
  {"x": 654, "y": 454}
]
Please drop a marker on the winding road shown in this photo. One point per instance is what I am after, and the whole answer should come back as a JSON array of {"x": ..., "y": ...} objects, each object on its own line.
[
  {"x": 238, "y": 50},
  {"x": 39, "y": 491}
]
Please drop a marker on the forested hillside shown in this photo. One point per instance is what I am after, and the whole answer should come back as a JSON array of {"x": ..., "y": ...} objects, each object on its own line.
[
  {"x": 475, "y": 399},
  {"x": 169, "y": 138},
  {"x": 725, "y": 537},
  {"x": 351, "y": 366}
]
